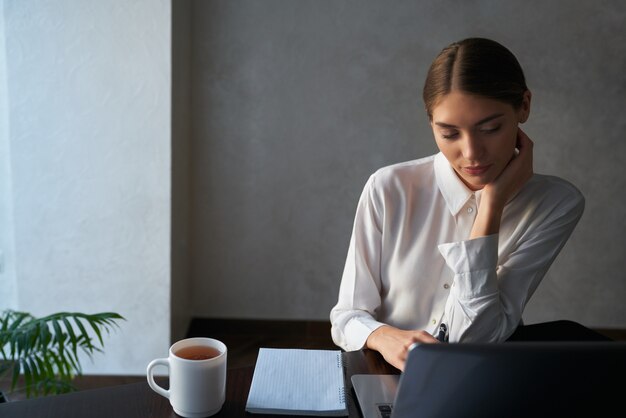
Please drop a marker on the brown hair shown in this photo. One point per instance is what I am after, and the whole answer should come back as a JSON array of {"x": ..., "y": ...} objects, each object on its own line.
[{"x": 477, "y": 66}]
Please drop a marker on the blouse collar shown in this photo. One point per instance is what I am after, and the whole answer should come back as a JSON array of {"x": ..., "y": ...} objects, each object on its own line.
[{"x": 454, "y": 191}]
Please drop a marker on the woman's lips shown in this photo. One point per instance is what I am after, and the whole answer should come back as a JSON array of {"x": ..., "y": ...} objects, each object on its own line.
[{"x": 476, "y": 170}]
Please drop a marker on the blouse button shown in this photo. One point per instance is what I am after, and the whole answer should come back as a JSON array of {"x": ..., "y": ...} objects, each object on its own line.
[
  {"x": 446, "y": 286},
  {"x": 470, "y": 209},
  {"x": 434, "y": 321}
]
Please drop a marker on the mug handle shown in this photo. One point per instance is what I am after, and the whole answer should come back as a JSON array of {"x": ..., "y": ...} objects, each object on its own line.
[{"x": 158, "y": 389}]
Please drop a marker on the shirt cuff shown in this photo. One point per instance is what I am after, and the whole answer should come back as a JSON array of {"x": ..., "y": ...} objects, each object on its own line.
[
  {"x": 473, "y": 263},
  {"x": 357, "y": 331}
]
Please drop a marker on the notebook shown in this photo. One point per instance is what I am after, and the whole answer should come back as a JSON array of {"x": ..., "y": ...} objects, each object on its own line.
[
  {"x": 298, "y": 382},
  {"x": 513, "y": 379}
]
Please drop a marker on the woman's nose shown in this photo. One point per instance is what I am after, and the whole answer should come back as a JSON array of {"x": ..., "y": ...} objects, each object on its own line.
[{"x": 472, "y": 148}]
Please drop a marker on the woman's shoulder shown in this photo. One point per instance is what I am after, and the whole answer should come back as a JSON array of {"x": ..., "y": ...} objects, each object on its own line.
[
  {"x": 554, "y": 184},
  {"x": 554, "y": 190},
  {"x": 406, "y": 171}
]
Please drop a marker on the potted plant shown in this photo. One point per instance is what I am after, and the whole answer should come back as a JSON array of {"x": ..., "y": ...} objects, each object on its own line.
[{"x": 41, "y": 354}]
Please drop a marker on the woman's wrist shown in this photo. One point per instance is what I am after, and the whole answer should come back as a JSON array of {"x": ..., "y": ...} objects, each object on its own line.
[
  {"x": 373, "y": 337},
  {"x": 488, "y": 218}
]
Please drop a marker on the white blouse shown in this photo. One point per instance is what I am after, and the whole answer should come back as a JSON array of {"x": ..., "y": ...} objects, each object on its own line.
[{"x": 411, "y": 263}]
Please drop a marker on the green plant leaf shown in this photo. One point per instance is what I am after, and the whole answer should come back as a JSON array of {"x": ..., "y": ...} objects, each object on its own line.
[
  {"x": 27, "y": 376},
  {"x": 72, "y": 337},
  {"x": 45, "y": 350},
  {"x": 58, "y": 333},
  {"x": 19, "y": 318},
  {"x": 16, "y": 375},
  {"x": 64, "y": 369},
  {"x": 86, "y": 339},
  {"x": 96, "y": 330}
]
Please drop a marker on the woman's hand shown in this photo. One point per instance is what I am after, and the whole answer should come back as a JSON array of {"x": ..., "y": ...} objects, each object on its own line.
[
  {"x": 496, "y": 194},
  {"x": 393, "y": 343},
  {"x": 515, "y": 174}
]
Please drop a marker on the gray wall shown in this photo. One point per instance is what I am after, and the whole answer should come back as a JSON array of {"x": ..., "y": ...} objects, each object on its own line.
[
  {"x": 295, "y": 103},
  {"x": 85, "y": 168},
  {"x": 181, "y": 181}
]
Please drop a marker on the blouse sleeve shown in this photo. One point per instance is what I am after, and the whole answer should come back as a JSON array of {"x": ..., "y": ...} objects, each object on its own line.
[
  {"x": 487, "y": 297},
  {"x": 352, "y": 318}
]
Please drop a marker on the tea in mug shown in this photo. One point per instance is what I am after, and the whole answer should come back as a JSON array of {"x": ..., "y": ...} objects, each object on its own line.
[
  {"x": 196, "y": 368},
  {"x": 198, "y": 352}
]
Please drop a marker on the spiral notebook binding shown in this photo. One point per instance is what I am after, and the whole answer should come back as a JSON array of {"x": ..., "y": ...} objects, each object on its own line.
[
  {"x": 339, "y": 360},
  {"x": 342, "y": 395},
  {"x": 342, "y": 389}
]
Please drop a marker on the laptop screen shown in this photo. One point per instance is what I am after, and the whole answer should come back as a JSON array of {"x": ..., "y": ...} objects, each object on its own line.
[{"x": 514, "y": 379}]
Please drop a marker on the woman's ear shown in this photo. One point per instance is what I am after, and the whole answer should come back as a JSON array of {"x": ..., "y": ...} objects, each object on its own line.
[{"x": 524, "y": 110}]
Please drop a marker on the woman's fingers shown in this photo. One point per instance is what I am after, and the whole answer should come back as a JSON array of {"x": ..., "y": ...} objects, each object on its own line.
[{"x": 394, "y": 344}]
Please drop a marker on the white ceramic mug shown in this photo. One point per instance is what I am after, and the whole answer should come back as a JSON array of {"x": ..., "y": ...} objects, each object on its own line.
[{"x": 197, "y": 387}]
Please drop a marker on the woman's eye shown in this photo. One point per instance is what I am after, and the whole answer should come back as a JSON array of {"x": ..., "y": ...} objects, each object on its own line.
[
  {"x": 449, "y": 135},
  {"x": 490, "y": 129}
]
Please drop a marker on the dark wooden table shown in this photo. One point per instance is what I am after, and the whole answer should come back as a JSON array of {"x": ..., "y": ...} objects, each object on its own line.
[{"x": 137, "y": 400}]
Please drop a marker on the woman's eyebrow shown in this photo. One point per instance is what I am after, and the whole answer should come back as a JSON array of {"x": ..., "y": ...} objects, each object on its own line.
[{"x": 480, "y": 122}]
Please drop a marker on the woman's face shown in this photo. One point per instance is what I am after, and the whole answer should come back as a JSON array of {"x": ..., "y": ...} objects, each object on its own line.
[{"x": 477, "y": 135}]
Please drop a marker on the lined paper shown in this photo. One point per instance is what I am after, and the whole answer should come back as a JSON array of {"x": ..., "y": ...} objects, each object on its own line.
[{"x": 298, "y": 382}]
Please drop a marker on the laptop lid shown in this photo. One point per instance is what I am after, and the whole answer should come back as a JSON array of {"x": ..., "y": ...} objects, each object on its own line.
[
  {"x": 375, "y": 393},
  {"x": 513, "y": 379}
]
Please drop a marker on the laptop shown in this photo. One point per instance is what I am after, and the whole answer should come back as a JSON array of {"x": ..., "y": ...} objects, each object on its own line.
[{"x": 512, "y": 379}]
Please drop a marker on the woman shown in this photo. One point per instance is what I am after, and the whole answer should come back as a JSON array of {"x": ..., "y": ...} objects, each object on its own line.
[{"x": 454, "y": 245}]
